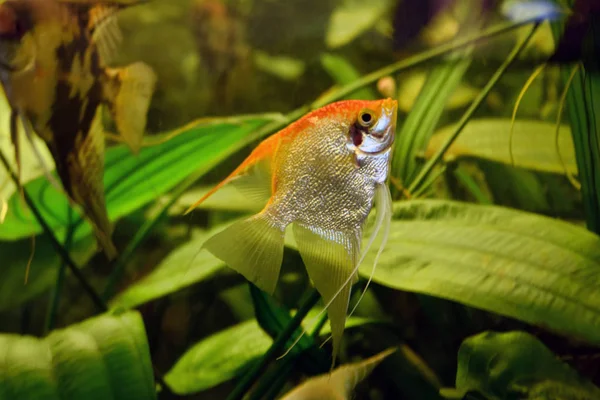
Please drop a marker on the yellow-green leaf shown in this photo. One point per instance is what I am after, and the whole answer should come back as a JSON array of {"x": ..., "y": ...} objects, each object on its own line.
[{"x": 532, "y": 146}]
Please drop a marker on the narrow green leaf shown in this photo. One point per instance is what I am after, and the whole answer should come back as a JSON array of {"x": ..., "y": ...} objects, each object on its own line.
[
  {"x": 424, "y": 116},
  {"x": 132, "y": 181},
  {"x": 532, "y": 147},
  {"x": 184, "y": 266},
  {"x": 273, "y": 319},
  {"x": 583, "y": 109},
  {"x": 517, "y": 365},
  {"x": 106, "y": 358},
  {"x": 536, "y": 269}
]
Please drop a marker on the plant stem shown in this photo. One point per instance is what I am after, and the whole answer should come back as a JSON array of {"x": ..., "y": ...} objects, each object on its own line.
[
  {"x": 418, "y": 59},
  {"x": 257, "y": 369},
  {"x": 470, "y": 111},
  {"x": 388, "y": 70},
  {"x": 60, "y": 278},
  {"x": 271, "y": 385},
  {"x": 62, "y": 252}
]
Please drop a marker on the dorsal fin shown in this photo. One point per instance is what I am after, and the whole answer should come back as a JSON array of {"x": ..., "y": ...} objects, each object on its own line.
[
  {"x": 258, "y": 164},
  {"x": 102, "y": 23},
  {"x": 105, "y": 31}
]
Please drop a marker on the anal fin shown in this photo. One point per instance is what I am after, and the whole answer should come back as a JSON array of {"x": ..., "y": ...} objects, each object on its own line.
[
  {"x": 253, "y": 247},
  {"x": 330, "y": 258},
  {"x": 128, "y": 93}
]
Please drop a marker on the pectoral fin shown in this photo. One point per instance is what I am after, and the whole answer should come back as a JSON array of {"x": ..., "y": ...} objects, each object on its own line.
[
  {"x": 128, "y": 92},
  {"x": 330, "y": 258}
]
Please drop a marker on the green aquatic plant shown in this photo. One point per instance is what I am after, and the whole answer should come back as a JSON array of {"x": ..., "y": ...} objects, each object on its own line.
[{"x": 456, "y": 256}]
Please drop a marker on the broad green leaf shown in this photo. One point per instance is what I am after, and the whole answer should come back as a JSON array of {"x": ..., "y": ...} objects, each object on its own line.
[
  {"x": 183, "y": 267},
  {"x": 22, "y": 281},
  {"x": 533, "y": 144},
  {"x": 342, "y": 72},
  {"x": 352, "y": 18},
  {"x": 223, "y": 356},
  {"x": 536, "y": 269},
  {"x": 516, "y": 365},
  {"x": 218, "y": 358},
  {"x": 132, "y": 181},
  {"x": 103, "y": 358}
]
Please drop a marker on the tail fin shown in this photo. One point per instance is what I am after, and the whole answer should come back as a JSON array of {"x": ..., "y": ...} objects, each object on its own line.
[
  {"x": 253, "y": 247},
  {"x": 129, "y": 92}
]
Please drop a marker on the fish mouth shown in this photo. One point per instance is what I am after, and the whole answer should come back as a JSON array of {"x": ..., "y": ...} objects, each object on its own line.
[{"x": 387, "y": 119}]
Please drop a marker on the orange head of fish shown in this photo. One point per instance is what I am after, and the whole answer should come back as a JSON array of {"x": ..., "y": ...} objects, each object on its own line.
[{"x": 374, "y": 127}]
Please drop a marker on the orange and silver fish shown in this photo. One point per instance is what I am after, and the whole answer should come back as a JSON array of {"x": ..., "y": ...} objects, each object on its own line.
[
  {"x": 324, "y": 173},
  {"x": 53, "y": 68}
]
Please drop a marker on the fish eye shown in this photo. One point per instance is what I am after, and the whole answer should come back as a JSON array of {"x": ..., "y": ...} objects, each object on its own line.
[{"x": 366, "y": 118}]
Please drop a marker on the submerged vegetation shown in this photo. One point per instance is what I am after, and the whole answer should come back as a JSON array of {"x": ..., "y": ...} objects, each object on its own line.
[{"x": 488, "y": 284}]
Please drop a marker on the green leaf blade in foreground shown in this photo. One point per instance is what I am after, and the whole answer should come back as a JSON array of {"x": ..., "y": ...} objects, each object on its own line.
[
  {"x": 131, "y": 181},
  {"x": 533, "y": 268},
  {"x": 505, "y": 365},
  {"x": 218, "y": 358},
  {"x": 226, "y": 354},
  {"x": 106, "y": 358}
]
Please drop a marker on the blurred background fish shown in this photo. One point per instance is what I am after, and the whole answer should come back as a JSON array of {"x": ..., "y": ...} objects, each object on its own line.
[{"x": 53, "y": 68}]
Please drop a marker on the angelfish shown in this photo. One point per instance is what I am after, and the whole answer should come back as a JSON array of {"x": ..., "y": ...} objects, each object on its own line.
[
  {"x": 323, "y": 174},
  {"x": 53, "y": 68}
]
